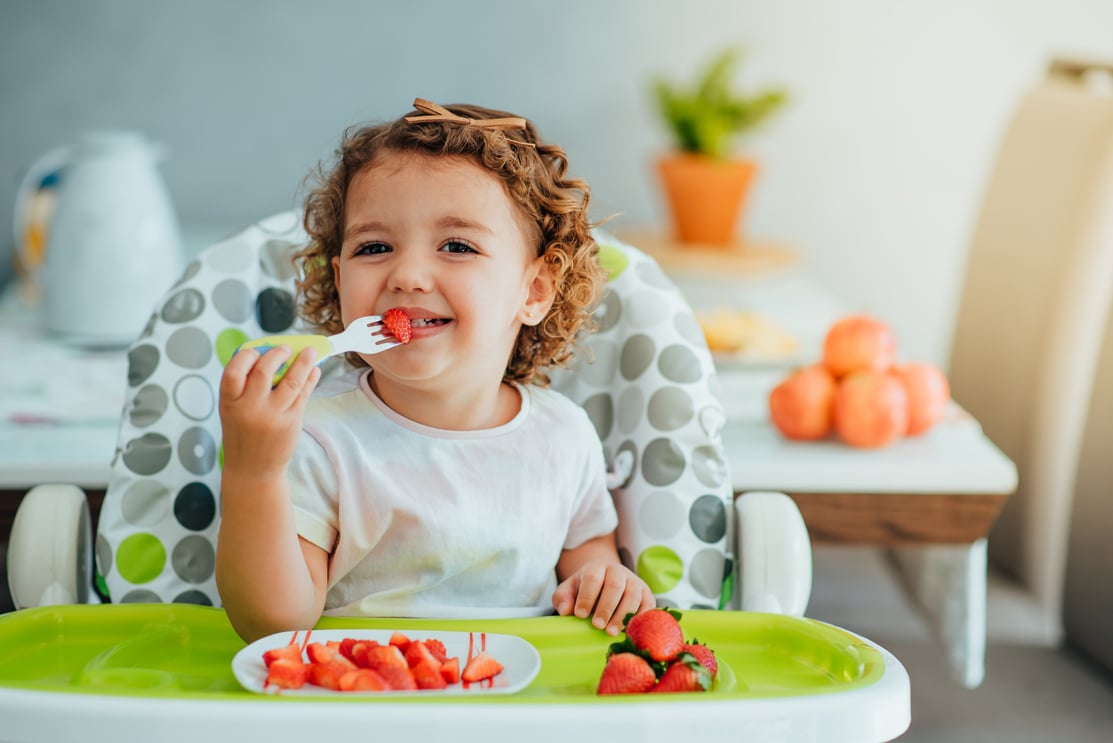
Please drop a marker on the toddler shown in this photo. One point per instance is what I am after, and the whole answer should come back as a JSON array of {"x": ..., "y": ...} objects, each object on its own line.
[{"x": 441, "y": 477}]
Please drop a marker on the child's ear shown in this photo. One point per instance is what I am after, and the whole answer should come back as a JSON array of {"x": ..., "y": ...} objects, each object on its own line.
[{"x": 540, "y": 293}]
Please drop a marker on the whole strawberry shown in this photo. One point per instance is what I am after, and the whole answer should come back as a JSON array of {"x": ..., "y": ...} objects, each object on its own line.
[
  {"x": 657, "y": 633},
  {"x": 398, "y": 323},
  {"x": 626, "y": 673},
  {"x": 703, "y": 654},
  {"x": 684, "y": 674}
]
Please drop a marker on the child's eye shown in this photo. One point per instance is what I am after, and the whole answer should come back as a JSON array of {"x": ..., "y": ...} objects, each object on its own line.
[
  {"x": 371, "y": 249},
  {"x": 458, "y": 246}
]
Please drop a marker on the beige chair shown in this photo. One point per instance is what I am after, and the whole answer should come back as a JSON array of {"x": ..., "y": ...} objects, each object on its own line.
[{"x": 1036, "y": 296}]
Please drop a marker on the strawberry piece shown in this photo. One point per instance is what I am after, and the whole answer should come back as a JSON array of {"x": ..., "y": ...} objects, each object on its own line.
[
  {"x": 329, "y": 673},
  {"x": 399, "y": 679},
  {"x": 437, "y": 648},
  {"x": 287, "y": 673},
  {"x": 626, "y": 673},
  {"x": 418, "y": 652},
  {"x": 427, "y": 674},
  {"x": 450, "y": 670},
  {"x": 481, "y": 667},
  {"x": 385, "y": 656},
  {"x": 345, "y": 648},
  {"x": 397, "y": 322},
  {"x": 363, "y": 679},
  {"x": 318, "y": 653},
  {"x": 685, "y": 673},
  {"x": 703, "y": 654},
  {"x": 400, "y": 641},
  {"x": 360, "y": 650},
  {"x": 289, "y": 652},
  {"x": 656, "y": 632}
]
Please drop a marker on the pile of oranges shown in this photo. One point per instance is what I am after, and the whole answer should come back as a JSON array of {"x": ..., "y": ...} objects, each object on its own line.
[{"x": 858, "y": 390}]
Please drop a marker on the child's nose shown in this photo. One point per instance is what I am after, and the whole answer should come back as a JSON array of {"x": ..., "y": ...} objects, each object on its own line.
[{"x": 410, "y": 273}]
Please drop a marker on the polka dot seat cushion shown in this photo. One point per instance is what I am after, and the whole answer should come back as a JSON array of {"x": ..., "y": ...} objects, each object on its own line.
[{"x": 647, "y": 389}]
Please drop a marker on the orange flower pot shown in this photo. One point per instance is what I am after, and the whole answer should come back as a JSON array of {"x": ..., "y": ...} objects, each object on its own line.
[{"x": 705, "y": 196}]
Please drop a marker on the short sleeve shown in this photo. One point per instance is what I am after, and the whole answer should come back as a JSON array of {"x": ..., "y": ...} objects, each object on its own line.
[{"x": 313, "y": 493}]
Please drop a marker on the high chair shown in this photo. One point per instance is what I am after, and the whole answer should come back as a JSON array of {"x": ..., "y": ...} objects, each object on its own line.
[{"x": 648, "y": 384}]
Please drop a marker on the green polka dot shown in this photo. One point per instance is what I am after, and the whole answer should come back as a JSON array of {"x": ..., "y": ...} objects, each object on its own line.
[
  {"x": 661, "y": 568},
  {"x": 613, "y": 260},
  {"x": 227, "y": 343},
  {"x": 140, "y": 558}
]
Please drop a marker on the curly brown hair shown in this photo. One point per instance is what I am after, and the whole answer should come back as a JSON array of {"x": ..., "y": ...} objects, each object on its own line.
[{"x": 536, "y": 180}]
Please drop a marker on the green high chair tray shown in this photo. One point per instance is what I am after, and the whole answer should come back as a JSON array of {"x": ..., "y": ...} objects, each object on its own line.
[{"x": 163, "y": 672}]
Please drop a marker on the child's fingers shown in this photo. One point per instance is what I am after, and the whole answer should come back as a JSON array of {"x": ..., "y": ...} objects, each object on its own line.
[
  {"x": 293, "y": 384},
  {"x": 234, "y": 378},
  {"x": 261, "y": 376},
  {"x": 591, "y": 582},
  {"x": 607, "y": 606},
  {"x": 564, "y": 597},
  {"x": 630, "y": 603}
]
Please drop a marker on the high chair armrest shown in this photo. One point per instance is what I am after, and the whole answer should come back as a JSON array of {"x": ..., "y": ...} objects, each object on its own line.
[
  {"x": 774, "y": 554},
  {"x": 50, "y": 551}
]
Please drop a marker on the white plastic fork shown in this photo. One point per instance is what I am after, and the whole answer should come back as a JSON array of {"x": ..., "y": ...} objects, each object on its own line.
[{"x": 365, "y": 335}]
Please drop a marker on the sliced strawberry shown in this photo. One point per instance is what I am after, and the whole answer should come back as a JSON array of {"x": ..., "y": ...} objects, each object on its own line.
[
  {"x": 289, "y": 652},
  {"x": 685, "y": 673},
  {"x": 397, "y": 322},
  {"x": 399, "y": 679},
  {"x": 626, "y": 673},
  {"x": 400, "y": 641},
  {"x": 417, "y": 652},
  {"x": 359, "y": 652},
  {"x": 703, "y": 654},
  {"x": 450, "y": 670},
  {"x": 318, "y": 653},
  {"x": 427, "y": 674},
  {"x": 385, "y": 656},
  {"x": 657, "y": 632},
  {"x": 363, "y": 679},
  {"x": 329, "y": 673},
  {"x": 345, "y": 648},
  {"x": 481, "y": 667},
  {"x": 287, "y": 673},
  {"x": 436, "y": 647}
]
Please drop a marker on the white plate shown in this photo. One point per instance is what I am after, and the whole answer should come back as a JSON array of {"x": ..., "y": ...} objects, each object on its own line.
[{"x": 520, "y": 660}]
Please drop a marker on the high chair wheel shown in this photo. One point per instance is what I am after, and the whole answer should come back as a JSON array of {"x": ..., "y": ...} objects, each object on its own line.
[{"x": 50, "y": 552}]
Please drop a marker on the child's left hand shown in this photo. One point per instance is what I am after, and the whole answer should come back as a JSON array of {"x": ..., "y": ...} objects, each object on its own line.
[{"x": 606, "y": 590}]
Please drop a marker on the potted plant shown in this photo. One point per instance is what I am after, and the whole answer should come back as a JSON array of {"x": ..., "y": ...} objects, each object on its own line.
[{"x": 705, "y": 185}]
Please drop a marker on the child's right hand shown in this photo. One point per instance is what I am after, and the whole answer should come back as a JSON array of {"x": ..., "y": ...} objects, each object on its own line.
[{"x": 260, "y": 423}]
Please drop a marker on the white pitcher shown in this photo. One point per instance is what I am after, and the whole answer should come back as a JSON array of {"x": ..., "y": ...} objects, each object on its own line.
[{"x": 113, "y": 245}]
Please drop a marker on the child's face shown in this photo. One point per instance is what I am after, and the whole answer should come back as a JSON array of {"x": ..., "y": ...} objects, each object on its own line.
[{"x": 441, "y": 239}]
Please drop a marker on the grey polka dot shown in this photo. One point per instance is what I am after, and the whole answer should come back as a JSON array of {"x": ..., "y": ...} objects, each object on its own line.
[
  {"x": 633, "y": 449},
  {"x": 637, "y": 355},
  {"x": 688, "y": 327},
  {"x": 189, "y": 347},
  {"x": 193, "y": 559},
  {"x": 199, "y": 598},
  {"x": 603, "y": 359},
  {"x": 679, "y": 364},
  {"x": 275, "y": 310},
  {"x": 147, "y": 454},
  {"x": 708, "y": 518},
  {"x": 195, "y": 506},
  {"x": 142, "y": 362},
  {"x": 711, "y": 421},
  {"x": 231, "y": 257},
  {"x": 194, "y": 397},
  {"x": 104, "y": 555},
  {"x": 645, "y": 309},
  {"x": 145, "y": 503},
  {"x": 190, "y": 271},
  {"x": 197, "y": 450},
  {"x": 232, "y": 299},
  {"x": 670, "y": 408},
  {"x": 661, "y": 515},
  {"x": 276, "y": 259},
  {"x": 651, "y": 273},
  {"x": 631, "y": 409},
  {"x": 147, "y": 406},
  {"x": 710, "y": 466},
  {"x": 600, "y": 409},
  {"x": 183, "y": 306},
  {"x": 705, "y": 572},
  {"x": 149, "y": 327},
  {"x": 663, "y": 462},
  {"x": 609, "y": 312},
  {"x": 141, "y": 596}
]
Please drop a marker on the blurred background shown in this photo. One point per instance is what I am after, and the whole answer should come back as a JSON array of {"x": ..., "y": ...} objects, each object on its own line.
[{"x": 873, "y": 173}]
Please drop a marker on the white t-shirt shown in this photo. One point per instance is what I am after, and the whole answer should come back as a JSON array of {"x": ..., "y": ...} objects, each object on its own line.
[{"x": 421, "y": 521}]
